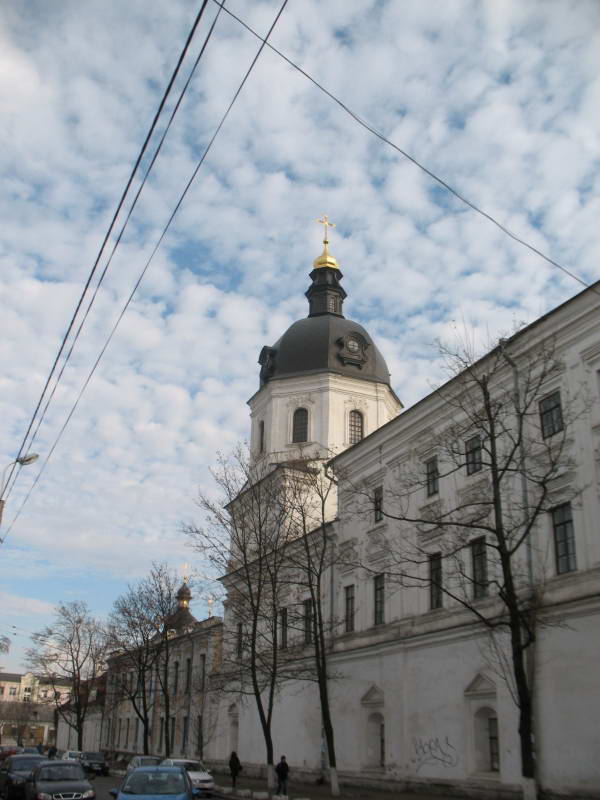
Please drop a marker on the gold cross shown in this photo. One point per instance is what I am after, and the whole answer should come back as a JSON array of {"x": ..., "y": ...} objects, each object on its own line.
[{"x": 325, "y": 222}]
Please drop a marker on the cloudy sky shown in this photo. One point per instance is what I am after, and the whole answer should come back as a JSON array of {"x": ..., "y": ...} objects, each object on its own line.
[{"x": 501, "y": 99}]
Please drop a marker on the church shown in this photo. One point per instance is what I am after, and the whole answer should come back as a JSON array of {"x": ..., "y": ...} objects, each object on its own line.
[
  {"x": 461, "y": 601},
  {"x": 422, "y": 688}
]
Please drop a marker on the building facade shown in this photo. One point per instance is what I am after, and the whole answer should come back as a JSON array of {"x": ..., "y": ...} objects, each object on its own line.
[
  {"x": 27, "y": 708},
  {"x": 421, "y": 688}
]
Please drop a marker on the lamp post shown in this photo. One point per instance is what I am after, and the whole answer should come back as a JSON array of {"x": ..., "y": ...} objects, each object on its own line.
[{"x": 22, "y": 461}]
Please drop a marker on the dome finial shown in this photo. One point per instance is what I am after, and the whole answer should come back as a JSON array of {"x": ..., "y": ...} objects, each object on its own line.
[{"x": 325, "y": 259}]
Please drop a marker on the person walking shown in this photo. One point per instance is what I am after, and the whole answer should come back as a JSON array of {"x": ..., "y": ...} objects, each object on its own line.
[
  {"x": 282, "y": 769},
  {"x": 235, "y": 767}
]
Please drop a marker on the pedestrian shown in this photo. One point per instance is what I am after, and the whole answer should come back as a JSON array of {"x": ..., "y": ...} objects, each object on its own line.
[
  {"x": 52, "y": 752},
  {"x": 282, "y": 769},
  {"x": 40, "y": 748},
  {"x": 235, "y": 767}
]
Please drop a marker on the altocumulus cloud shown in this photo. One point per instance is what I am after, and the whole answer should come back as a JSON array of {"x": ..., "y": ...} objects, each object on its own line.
[{"x": 502, "y": 100}]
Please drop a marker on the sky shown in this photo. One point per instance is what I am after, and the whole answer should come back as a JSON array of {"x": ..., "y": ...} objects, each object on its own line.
[{"x": 500, "y": 100}]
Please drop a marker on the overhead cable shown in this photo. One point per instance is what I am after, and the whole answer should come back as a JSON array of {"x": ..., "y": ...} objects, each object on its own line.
[
  {"x": 100, "y": 252},
  {"x": 407, "y": 155},
  {"x": 145, "y": 268}
]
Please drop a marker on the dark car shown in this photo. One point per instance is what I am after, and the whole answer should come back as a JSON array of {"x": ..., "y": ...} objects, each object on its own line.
[
  {"x": 94, "y": 762},
  {"x": 58, "y": 780},
  {"x": 13, "y": 773},
  {"x": 155, "y": 782}
]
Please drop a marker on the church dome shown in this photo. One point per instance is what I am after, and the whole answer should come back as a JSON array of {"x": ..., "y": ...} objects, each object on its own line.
[{"x": 325, "y": 341}]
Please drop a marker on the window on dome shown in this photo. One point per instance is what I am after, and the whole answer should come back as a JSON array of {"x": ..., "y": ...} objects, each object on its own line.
[
  {"x": 300, "y": 426},
  {"x": 356, "y": 426}
]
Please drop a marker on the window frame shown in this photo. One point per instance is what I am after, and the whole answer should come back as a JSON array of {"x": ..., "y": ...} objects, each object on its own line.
[
  {"x": 378, "y": 504},
  {"x": 432, "y": 476},
  {"x": 349, "y": 607},
  {"x": 563, "y": 531},
  {"x": 239, "y": 643},
  {"x": 300, "y": 422},
  {"x": 308, "y": 613},
  {"x": 436, "y": 592},
  {"x": 356, "y": 433},
  {"x": 379, "y": 599},
  {"x": 261, "y": 436},
  {"x": 479, "y": 568},
  {"x": 283, "y": 628},
  {"x": 551, "y": 417},
  {"x": 474, "y": 455}
]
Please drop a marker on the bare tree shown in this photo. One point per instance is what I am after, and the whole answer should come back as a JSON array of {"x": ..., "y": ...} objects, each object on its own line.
[
  {"x": 71, "y": 650},
  {"x": 131, "y": 634},
  {"x": 244, "y": 539},
  {"x": 15, "y": 715},
  {"x": 311, "y": 488},
  {"x": 474, "y": 542}
]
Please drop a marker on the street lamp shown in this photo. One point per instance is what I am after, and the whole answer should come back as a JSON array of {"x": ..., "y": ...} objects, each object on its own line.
[{"x": 22, "y": 461}]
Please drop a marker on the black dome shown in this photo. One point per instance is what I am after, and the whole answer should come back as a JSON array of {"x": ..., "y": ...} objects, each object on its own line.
[{"x": 324, "y": 343}]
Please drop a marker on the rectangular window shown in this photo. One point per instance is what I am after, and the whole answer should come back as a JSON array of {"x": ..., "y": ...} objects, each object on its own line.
[
  {"x": 127, "y": 726},
  {"x": 137, "y": 733},
  {"x": 435, "y": 580},
  {"x": 493, "y": 744},
  {"x": 564, "y": 538},
  {"x": 172, "y": 733},
  {"x": 1, "y": 691},
  {"x": 202, "y": 671},
  {"x": 378, "y": 504},
  {"x": 119, "y": 732},
  {"x": 12, "y": 690},
  {"x": 240, "y": 639},
  {"x": 432, "y": 476},
  {"x": 308, "y": 621},
  {"x": 283, "y": 628},
  {"x": 184, "y": 736},
  {"x": 175, "y": 677},
  {"x": 473, "y": 455},
  {"x": 188, "y": 674},
  {"x": 261, "y": 436},
  {"x": 551, "y": 418},
  {"x": 479, "y": 565},
  {"x": 349, "y": 608},
  {"x": 379, "y": 599},
  {"x": 161, "y": 734},
  {"x": 199, "y": 737}
]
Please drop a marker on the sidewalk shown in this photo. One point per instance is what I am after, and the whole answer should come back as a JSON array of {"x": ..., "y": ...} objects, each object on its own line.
[{"x": 312, "y": 791}]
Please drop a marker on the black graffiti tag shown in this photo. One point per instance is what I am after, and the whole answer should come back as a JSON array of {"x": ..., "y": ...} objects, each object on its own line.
[{"x": 433, "y": 751}]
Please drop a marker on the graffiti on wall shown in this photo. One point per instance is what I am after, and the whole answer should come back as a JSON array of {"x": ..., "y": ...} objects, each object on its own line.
[{"x": 434, "y": 752}]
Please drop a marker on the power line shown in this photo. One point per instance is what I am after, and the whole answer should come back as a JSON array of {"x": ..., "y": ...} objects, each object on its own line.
[
  {"x": 147, "y": 264},
  {"x": 121, "y": 232},
  {"x": 104, "y": 242},
  {"x": 417, "y": 163}
]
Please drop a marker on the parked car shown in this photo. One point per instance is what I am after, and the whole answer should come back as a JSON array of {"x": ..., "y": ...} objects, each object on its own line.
[
  {"x": 56, "y": 779},
  {"x": 32, "y": 750},
  {"x": 71, "y": 755},
  {"x": 199, "y": 775},
  {"x": 7, "y": 750},
  {"x": 94, "y": 762},
  {"x": 148, "y": 782},
  {"x": 143, "y": 761},
  {"x": 13, "y": 773}
]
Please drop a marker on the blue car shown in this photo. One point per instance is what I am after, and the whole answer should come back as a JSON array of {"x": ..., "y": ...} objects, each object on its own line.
[{"x": 157, "y": 783}]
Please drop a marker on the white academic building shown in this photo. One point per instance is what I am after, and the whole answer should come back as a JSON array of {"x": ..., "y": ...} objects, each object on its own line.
[{"x": 417, "y": 699}]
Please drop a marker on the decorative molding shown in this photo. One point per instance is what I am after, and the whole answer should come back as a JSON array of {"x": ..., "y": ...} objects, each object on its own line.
[{"x": 374, "y": 698}]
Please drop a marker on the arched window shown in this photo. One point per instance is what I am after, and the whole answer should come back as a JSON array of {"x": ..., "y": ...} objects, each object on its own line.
[
  {"x": 356, "y": 428},
  {"x": 376, "y": 740},
  {"x": 300, "y": 427},
  {"x": 261, "y": 436},
  {"x": 487, "y": 751}
]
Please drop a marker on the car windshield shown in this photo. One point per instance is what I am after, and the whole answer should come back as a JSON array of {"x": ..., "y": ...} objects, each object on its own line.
[
  {"x": 190, "y": 766},
  {"x": 61, "y": 772},
  {"x": 149, "y": 761},
  {"x": 155, "y": 783},
  {"x": 25, "y": 763},
  {"x": 93, "y": 756}
]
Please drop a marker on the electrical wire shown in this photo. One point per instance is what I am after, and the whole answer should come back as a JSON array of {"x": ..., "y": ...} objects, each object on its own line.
[
  {"x": 121, "y": 232},
  {"x": 103, "y": 245},
  {"x": 145, "y": 268},
  {"x": 412, "y": 159}
]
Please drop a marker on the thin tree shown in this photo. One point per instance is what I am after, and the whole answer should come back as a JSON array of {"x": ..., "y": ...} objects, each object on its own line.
[
  {"x": 311, "y": 490},
  {"x": 71, "y": 650},
  {"x": 131, "y": 637},
  {"x": 475, "y": 541},
  {"x": 244, "y": 538}
]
